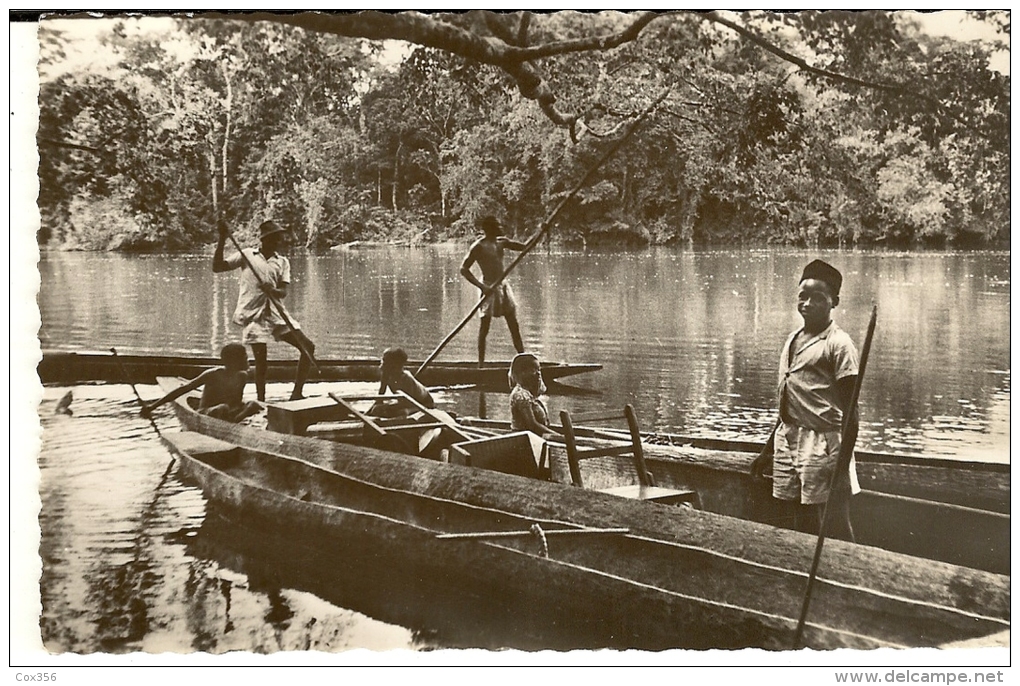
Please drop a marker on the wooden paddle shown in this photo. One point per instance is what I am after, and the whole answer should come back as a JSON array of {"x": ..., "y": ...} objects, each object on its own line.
[
  {"x": 279, "y": 308},
  {"x": 846, "y": 451},
  {"x": 546, "y": 225},
  {"x": 168, "y": 444},
  {"x": 141, "y": 402}
]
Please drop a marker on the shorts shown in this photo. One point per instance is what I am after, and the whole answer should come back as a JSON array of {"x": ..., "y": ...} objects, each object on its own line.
[
  {"x": 803, "y": 463},
  {"x": 500, "y": 303},
  {"x": 263, "y": 331}
]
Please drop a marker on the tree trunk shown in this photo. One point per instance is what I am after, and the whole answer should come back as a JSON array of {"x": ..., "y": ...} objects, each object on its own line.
[
  {"x": 212, "y": 183},
  {"x": 625, "y": 192},
  {"x": 439, "y": 178},
  {"x": 396, "y": 174}
]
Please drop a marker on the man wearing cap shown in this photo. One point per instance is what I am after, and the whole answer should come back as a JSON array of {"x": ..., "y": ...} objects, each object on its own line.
[
  {"x": 487, "y": 251},
  {"x": 817, "y": 372},
  {"x": 259, "y": 301}
]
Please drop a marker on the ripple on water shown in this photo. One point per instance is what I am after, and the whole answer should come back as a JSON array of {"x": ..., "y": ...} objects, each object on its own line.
[
  {"x": 672, "y": 329},
  {"x": 119, "y": 573}
]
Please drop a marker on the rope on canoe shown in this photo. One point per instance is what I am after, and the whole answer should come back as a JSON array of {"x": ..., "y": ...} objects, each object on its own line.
[{"x": 542, "y": 542}]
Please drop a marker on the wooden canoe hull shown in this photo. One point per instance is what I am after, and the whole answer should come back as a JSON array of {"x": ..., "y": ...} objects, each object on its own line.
[
  {"x": 921, "y": 527},
  {"x": 946, "y": 510},
  {"x": 968, "y": 483},
  {"x": 932, "y": 527},
  {"x": 679, "y": 578},
  {"x": 65, "y": 368}
]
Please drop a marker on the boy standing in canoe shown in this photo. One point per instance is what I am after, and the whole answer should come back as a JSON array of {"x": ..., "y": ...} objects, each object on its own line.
[
  {"x": 818, "y": 368},
  {"x": 487, "y": 251},
  {"x": 222, "y": 388},
  {"x": 259, "y": 307}
]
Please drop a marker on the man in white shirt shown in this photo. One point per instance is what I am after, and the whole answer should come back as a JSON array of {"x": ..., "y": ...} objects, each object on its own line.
[{"x": 265, "y": 276}]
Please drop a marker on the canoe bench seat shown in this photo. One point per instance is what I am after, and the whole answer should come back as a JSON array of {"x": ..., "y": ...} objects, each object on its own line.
[
  {"x": 423, "y": 432},
  {"x": 521, "y": 453},
  {"x": 646, "y": 488},
  {"x": 295, "y": 416},
  {"x": 213, "y": 451},
  {"x": 666, "y": 496}
]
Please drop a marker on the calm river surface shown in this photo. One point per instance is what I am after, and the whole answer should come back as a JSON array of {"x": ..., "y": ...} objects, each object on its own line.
[{"x": 134, "y": 560}]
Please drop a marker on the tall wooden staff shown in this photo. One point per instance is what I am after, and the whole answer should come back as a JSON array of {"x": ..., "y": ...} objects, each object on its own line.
[
  {"x": 846, "y": 451},
  {"x": 546, "y": 225}
]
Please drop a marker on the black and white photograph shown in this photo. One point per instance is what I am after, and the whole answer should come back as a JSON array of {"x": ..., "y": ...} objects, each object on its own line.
[{"x": 661, "y": 338}]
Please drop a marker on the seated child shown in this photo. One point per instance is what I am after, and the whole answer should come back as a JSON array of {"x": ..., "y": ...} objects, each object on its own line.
[
  {"x": 222, "y": 388},
  {"x": 394, "y": 378},
  {"x": 527, "y": 411}
]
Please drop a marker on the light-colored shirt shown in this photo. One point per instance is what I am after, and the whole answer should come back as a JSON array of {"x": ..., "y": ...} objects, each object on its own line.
[
  {"x": 807, "y": 378},
  {"x": 252, "y": 303}
]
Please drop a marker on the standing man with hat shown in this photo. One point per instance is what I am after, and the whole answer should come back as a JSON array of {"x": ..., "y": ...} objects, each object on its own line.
[
  {"x": 818, "y": 368},
  {"x": 259, "y": 308},
  {"x": 487, "y": 251}
]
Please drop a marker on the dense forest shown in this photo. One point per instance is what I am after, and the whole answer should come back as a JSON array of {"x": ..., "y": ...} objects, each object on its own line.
[{"x": 808, "y": 128}]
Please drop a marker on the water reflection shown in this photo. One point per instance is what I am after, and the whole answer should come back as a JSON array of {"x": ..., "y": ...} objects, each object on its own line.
[
  {"x": 120, "y": 574},
  {"x": 691, "y": 339},
  {"x": 131, "y": 561},
  {"x": 439, "y": 612}
]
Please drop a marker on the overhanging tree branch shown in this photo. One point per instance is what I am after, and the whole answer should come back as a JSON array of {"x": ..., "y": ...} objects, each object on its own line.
[
  {"x": 599, "y": 43},
  {"x": 497, "y": 49},
  {"x": 62, "y": 144},
  {"x": 895, "y": 89},
  {"x": 427, "y": 31}
]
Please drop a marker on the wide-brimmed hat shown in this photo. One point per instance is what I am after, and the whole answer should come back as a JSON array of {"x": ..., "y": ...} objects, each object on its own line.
[{"x": 269, "y": 228}]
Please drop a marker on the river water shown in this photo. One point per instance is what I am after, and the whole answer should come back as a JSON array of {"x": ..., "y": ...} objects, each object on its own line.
[{"x": 132, "y": 559}]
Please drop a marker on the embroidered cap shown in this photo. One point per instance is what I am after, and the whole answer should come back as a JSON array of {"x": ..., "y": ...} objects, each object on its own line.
[{"x": 823, "y": 271}]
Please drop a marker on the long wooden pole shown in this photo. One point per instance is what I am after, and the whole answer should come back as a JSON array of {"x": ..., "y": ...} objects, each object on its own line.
[
  {"x": 274, "y": 301},
  {"x": 170, "y": 446},
  {"x": 846, "y": 451},
  {"x": 546, "y": 225},
  {"x": 527, "y": 534},
  {"x": 141, "y": 402}
]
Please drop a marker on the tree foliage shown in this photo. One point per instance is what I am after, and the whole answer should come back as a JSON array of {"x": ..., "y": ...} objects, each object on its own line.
[{"x": 809, "y": 128}]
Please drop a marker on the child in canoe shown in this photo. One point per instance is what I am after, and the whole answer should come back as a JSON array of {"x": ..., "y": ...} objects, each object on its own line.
[
  {"x": 527, "y": 411},
  {"x": 222, "y": 388},
  {"x": 394, "y": 378}
]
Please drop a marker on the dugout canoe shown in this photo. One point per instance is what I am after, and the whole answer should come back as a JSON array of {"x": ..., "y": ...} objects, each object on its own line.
[
  {"x": 72, "y": 367},
  {"x": 951, "y": 510},
  {"x": 969, "y": 483},
  {"x": 654, "y": 576},
  {"x": 930, "y": 523},
  {"x": 678, "y": 591}
]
